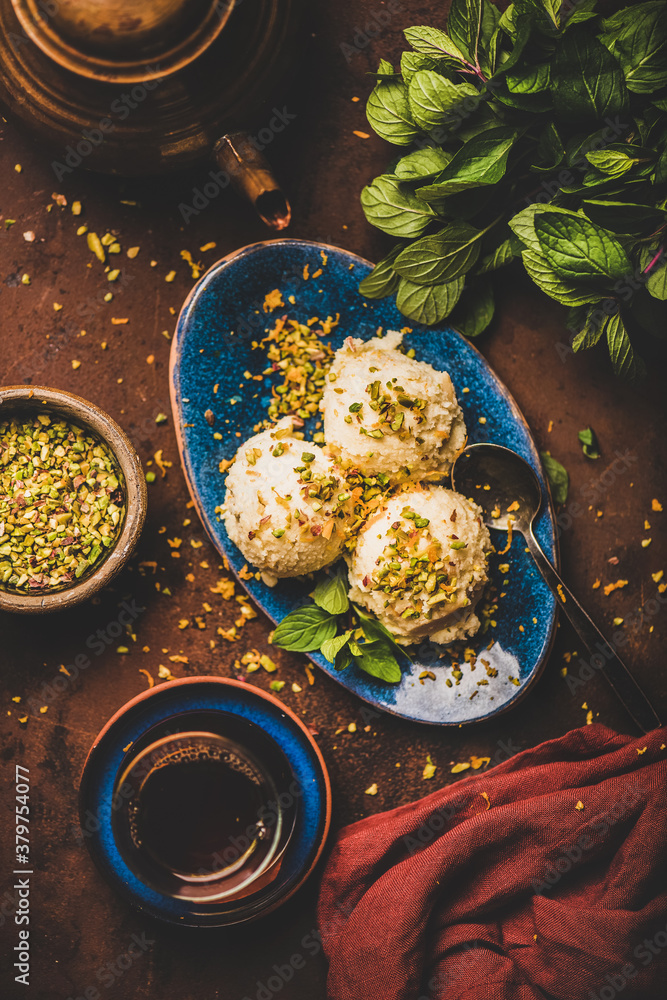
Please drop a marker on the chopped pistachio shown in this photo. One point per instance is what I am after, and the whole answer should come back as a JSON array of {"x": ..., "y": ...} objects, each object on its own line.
[
  {"x": 62, "y": 502},
  {"x": 95, "y": 246}
]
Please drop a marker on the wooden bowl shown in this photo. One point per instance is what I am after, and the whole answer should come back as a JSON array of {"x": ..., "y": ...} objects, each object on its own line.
[{"x": 25, "y": 398}]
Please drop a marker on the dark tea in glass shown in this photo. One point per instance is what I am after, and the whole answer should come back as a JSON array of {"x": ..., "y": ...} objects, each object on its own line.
[{"x": 198, "y": 815}]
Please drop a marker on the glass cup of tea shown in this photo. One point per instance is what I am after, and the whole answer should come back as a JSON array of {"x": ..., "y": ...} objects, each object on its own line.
[{"x": 199, "y": 817}]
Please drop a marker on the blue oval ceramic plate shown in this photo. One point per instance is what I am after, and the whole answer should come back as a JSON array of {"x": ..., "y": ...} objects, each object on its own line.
[
  {"x": 173, "y": 705},
  {"x": 212, "y": 346}
]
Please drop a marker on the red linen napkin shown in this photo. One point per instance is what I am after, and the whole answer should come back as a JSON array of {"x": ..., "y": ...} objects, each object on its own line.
[{"x": 544, "y": 878}]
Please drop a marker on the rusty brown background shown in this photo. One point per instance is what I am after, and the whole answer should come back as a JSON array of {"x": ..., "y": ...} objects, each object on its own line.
[{"x": 78, "y": 924}]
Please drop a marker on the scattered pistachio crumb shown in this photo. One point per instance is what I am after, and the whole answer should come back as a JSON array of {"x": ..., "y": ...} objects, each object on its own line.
[{"x": 429, "y": 769}]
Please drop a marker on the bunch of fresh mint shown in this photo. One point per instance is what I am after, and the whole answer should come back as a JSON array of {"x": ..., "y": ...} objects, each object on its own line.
[
  {"x": 341, "y": 631},
  {"x": 538, "y": 134}
]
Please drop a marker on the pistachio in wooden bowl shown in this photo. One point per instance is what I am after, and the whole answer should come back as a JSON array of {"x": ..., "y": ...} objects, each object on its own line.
[{"x": 72, "y": 499}]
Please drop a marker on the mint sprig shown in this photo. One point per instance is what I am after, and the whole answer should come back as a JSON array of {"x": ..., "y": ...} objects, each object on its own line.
[
  {"x": 540, "y": 136},
  {"x": 341, "y": 631}
]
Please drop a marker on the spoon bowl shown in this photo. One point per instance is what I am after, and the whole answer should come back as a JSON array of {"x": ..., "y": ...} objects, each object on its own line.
[{"x": 501, "y": 482}]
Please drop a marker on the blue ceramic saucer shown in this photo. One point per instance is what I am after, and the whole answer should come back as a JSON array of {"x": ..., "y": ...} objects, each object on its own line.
[
  {"x": 212, "y": 347},
  {"x": 171, "y": 708}
]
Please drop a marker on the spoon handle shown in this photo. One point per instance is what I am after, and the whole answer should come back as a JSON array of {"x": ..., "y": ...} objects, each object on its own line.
[{"x": 614, "y": 670}]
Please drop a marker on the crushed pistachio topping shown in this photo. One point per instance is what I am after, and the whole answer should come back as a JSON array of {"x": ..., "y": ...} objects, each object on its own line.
[
  {"x": 390, "y": 403},
  {"x": 298, "y": 352},
  {"x": 414, "y": 567},
  {"x": 62, "y": 502}
]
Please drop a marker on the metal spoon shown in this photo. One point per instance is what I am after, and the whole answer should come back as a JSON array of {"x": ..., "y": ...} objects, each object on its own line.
[{"x": 514, "y": 485}]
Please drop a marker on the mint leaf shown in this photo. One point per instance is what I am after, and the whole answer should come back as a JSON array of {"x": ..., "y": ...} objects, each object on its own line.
[
  {"x": 532, "y": 103},
  {"x": 412, "y": 62},
  {"x": 385, "y": 69},
  {"x": 656, "y": 278},
  {"x": 501, "y": 256},
  {"x": 587, "y": 82},
  {"x": 428, "y": 304},
  {"x": 637, "y": 37},
  {"x": 331, "y": 647},
  {"x": 550, "y": 150},
  {"x": 589, "y": 443},
  {"x": 388, "y": 112},
  {"x": 532, "y": 80},
  {"x": 523, "y": 223},
  {"x": 330, "y": 594},
  {"x": 557, "y": 476},
  {"x": 432, "y": 42},
  {"x": 547, "y": 11},
  {"x": 475, "y": 310},
  {"x": 464, "y": 24},
  {"x": 378, "y": 661},
  {"x": 578, "y": 250},
  {"x": 431, "y": 96},
  {"x": 556, "y": 287},
  {"x": 623, "y": 358},
  {"x": 490, "y": 37},
  {"x": 591, "y": 329},
  {"x": 583, "y": 11},
  {"x": 375, "y": 631},
  {"x": 657, "y": 282},
  {"x": 304, "y": 629},
  {"x": 623, "y": 217},
  {"x": 382, "y": 280},
  {"x": 610, "y": 162},
  {"x": 390, "y": 206},
  {"x": 441, "y": 257},
  {"x": 519, "y": 27},
  {"x": 422, "y": 163},
  {"x": 481, "y": 161},
  {"x": 660, "y": 173}
]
